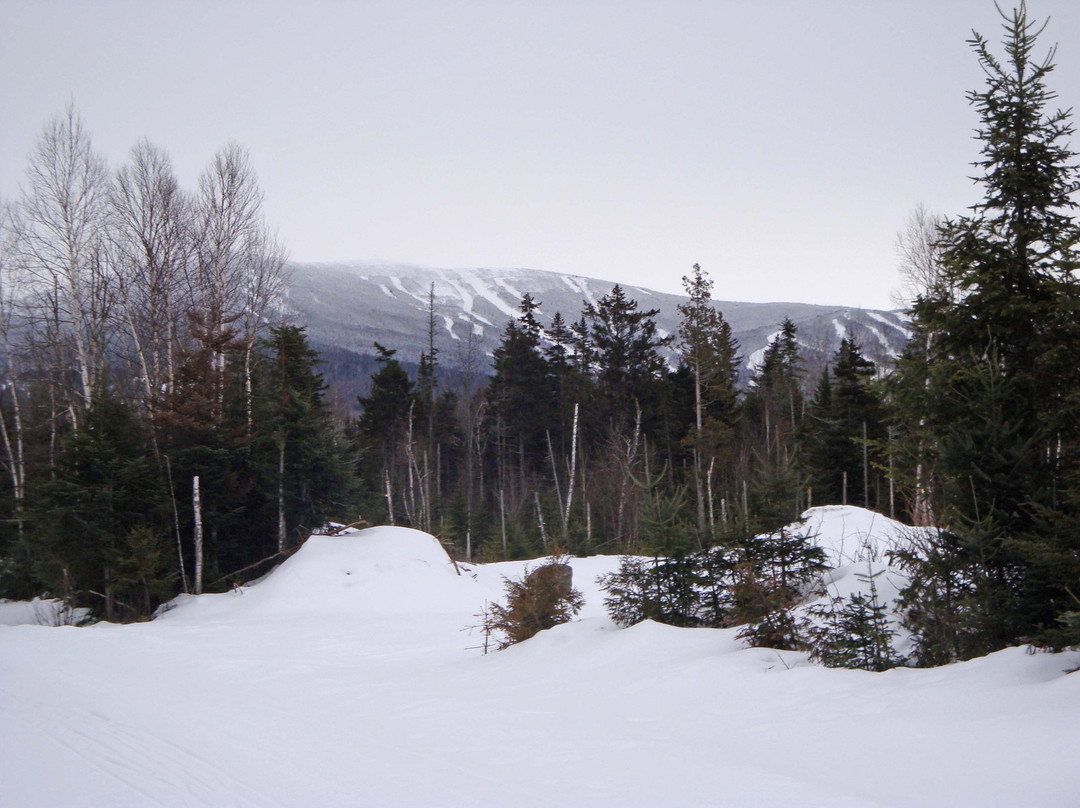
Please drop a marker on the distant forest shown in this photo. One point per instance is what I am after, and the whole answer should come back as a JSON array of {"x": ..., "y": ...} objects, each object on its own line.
[{"x": 163, "y": 433}]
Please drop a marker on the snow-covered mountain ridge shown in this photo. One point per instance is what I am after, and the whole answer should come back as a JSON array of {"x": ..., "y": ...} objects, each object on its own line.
[{"x": 352, "y": 305}]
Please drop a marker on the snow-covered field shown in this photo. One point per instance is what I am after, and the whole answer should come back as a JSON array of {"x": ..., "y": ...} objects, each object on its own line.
[{"x": 347, "y": 678}]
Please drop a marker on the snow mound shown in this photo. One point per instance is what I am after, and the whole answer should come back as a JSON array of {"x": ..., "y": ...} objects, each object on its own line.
[
  {"x": 380, "y": 570},
  {"x": 851, "y": 535},
  {"x": 40, "y": 612}
]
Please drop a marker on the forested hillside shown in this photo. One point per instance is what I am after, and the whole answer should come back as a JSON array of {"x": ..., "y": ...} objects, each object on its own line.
[{"x": 347, "y": 307}]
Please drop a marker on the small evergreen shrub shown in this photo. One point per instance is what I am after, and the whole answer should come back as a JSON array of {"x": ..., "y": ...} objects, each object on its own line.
[
  {"x": 745, "y": 582},
  {"x": 853, "y": 632},
  {"x": 541, "y": 599}
]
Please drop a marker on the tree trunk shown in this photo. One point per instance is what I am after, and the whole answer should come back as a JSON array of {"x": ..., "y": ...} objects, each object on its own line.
[
  {"x": 281, "y": 496},
  {"x": 196, "y": 504},
  {"x": 573, "y": 470},
  {"x": 389, "y": 495},
  {"x": 554, "y": 472}
]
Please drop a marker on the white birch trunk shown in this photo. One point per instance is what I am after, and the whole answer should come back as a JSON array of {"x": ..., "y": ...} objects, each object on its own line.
[
  {"x": 573, "y": 471},
  {"x": 196, "y": 504},
  {"x": 389, "y": 495}
]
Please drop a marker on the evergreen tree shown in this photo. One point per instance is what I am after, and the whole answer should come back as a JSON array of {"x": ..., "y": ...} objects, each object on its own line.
[
  {"x": 1002, "y": 331},
  {"x": 102, "y": 521},
  {"x": 625, "y": 346},
  {"x": 382, "y": 430},
  {"x": 710, "y": 352},
  {"x": 845, "y": 430},
  {"x": 854, "y": 632},
  {"x": 520, "y": 392},
  {"x": 773, "y": 429},
  {"x": 305, "y": 470},
  {"x": 204, "y": 430}
]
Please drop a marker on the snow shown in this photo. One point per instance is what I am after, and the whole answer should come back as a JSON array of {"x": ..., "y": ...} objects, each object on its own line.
[
  {"x": 757, "y": 357},
  {"x": 897, "y": 324},
  {"x": 841, "y": 331},
  {"x": 347, "y": 677},
  {"x": 39, "y": 612},
  {"x": 850, "y": 535}
]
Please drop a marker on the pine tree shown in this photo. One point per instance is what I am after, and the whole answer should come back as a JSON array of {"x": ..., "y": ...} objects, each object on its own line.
[
  {"x": 105, "y": 487},
  {"x": 854, "y": 632},
  {"x": 773, "y": 428},
  {"x": 998, "y": 402},
  {"x": 382, "y": 430},
  {"x": 304, "y": 465},
  {"x": 711, "y": 354},
  {"x": 520, "y": 393},
  {"x": 625, "y": 346},
  {"x": 845, "y": 429}
]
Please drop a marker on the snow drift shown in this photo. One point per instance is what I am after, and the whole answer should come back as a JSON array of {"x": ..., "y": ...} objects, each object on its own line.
[{"x": 348, "y": 677}]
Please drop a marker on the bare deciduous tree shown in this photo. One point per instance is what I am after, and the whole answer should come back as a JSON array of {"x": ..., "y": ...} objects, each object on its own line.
[
  {"x": 239, "y": 265},
  {"x": 12, "y": 437},
  {"x": 920, "y": 257},
  {"x": 62, "y": 222},
  {"x": 152, "y": 236}
]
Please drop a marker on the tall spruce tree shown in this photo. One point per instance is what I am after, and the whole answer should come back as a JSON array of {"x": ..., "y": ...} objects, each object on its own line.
[
  {"x": 382, "y": 430},
  {"x": 845, "y": 429},
  {"x": 710, "y": 351},
  {"x": 997, "y": 394},
  {"x": 520, "y": 392},
  {"x": 625, "y": 345},
  {"x": 304, "y": 464},
  {"x": 773, "y": 428}
]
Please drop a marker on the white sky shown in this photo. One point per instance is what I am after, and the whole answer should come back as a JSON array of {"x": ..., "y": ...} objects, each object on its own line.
[{"x": 781, "y": 145}]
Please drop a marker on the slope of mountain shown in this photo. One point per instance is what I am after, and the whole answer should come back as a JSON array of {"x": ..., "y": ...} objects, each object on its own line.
[{"x": 349, "y": 306}]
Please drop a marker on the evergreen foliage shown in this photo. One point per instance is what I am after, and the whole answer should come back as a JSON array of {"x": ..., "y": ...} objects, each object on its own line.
[
  {"x": 990, "y": 387},
  {"x": 100, "y": 518},
  {"x": 853, "y": 632},
  {"x": 846, "y": 430},
  {"x": 541, "y": 599},
  {"x": 750, "y": 581}
]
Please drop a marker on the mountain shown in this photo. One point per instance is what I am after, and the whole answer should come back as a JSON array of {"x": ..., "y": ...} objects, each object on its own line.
[{"x": 349, "y": 306}]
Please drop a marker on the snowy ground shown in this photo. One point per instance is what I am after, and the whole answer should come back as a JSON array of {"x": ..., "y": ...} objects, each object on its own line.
[{"x": 346, "y": 678}]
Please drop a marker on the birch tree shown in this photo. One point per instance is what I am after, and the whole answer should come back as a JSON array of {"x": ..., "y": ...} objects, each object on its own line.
[
  {"x": 12, "y": 436},
  {"x": 709, "y": 350},
  {"x": 152, "y": 235},
  {"x": 63, "y": 213},
  {"x": 238, "y": 268}
]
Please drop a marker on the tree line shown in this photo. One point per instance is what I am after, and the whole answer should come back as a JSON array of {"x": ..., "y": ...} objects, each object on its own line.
[{"x": 143, "y": 359}]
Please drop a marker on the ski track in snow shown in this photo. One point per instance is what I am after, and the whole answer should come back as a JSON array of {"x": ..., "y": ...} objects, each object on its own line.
[
  {"x": 579, "y": 286},
  {"x": 757, "y": 357},
  {"x": 449, "y": 323},
  {"x": 151, "y": 767},
  {"x": 881, "y": 340},
  {"x": 513, "y": 292},
  {"x": 881, "y": 318}
]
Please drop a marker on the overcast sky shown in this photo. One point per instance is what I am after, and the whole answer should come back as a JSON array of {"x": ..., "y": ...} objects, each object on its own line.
[{"x": 781, "y": 145}]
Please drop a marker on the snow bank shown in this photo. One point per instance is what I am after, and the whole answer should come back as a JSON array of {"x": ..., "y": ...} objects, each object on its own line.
[
  {"x": 345, "y": 678},
  {"x": 850, "y": 535},
  {"x": 40, "y": 612},
  {"x": 381, "y": 570}
]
